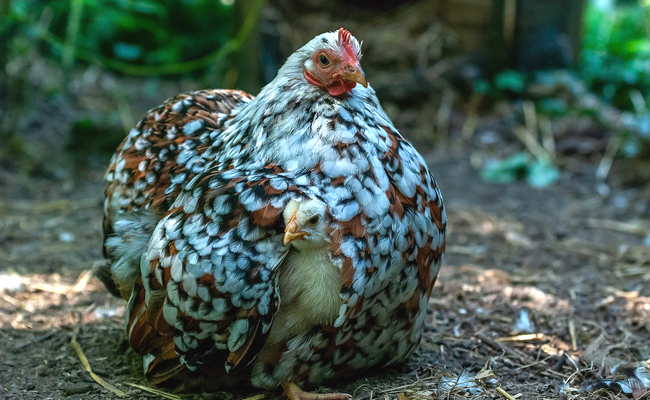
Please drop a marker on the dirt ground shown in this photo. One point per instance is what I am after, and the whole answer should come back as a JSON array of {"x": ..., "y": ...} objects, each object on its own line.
[{"x": 541, "y": 291}]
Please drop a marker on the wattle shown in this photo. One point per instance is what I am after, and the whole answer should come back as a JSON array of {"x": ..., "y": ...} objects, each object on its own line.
[{"x": 338, "y": 87}]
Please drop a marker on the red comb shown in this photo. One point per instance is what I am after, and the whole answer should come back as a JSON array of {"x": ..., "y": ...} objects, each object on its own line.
[{"x": 344, "y": 36}]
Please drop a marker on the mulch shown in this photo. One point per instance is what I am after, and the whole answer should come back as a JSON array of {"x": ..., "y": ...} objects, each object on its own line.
[{"x": 543, "y": 293}]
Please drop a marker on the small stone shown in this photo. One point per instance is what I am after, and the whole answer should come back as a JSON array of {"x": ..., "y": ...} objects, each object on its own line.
[
  {"x": 10, "y": 362},
  {"x": 76, "y": 388},
  {"x": 66, "y": 237}
]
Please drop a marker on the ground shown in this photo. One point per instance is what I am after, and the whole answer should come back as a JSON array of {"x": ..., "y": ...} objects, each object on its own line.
[{"x": 536, "y": 285}]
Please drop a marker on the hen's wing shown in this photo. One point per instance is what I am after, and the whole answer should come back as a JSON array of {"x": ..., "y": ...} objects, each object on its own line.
[
  {"x": 207, "y": 289},
  {"x": 153, "y": 163}
]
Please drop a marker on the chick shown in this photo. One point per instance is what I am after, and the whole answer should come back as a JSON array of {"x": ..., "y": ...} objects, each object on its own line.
[
  {"x": 309, "y": 282},
  {"x": 305, "y": 225}
]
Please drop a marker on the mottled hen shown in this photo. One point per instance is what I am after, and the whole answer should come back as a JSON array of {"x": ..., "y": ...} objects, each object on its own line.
[{"x": 207, "y": 229}]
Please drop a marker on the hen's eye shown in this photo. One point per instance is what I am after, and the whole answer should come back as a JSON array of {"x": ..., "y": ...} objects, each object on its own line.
[
  {"x": 313, "y": 220},
  {"x": 323, "y": 60}
]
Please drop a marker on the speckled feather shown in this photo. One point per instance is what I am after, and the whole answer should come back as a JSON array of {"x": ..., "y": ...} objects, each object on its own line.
[{"x": 217, "y": 168}]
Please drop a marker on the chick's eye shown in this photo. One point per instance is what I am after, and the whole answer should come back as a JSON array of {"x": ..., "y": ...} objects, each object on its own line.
[
  {"x": 314, "y": 220},
  {"x": 323, "y": 60}
]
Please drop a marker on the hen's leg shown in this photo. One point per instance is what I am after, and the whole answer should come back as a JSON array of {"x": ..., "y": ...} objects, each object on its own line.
[{"x": 295, "y": 393}]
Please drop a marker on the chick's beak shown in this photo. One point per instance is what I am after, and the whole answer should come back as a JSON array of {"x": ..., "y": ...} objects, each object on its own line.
[
  {"x": 354, "y": 73},
  {"x": 291, "y": 231}
]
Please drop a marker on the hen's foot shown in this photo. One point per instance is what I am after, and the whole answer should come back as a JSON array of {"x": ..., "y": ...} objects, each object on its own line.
[{"x": 295, "y": 393}]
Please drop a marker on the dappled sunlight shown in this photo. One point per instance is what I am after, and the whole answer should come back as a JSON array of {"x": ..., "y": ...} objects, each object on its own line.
[
  {"x": 39, "y": 317},
  {"x": 479, "y": 222},
  {"x": 31, "y": 301}
]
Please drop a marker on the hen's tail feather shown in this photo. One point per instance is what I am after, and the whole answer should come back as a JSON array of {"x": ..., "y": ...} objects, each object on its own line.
[
  {"x": 104, "y": 274},
  {"x": 160, "y": 360}
]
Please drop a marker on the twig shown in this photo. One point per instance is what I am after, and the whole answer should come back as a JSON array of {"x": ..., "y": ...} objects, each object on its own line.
[
  {"x": 407, "y": 386},
  {"x": 527, "y": 134},
  {"x": 630, "y": 270},
  {"x": 584, "y": 248},
  {"x": 498, "y": 346},
  {"x": 527, "y": 138},
  {"x": 84, "y": 277},
  {"x": 504, "y": 394},
  {"x": 163, "y": 394},
  {"x": 620, "y": 293},
  {"x": 84, "y": 362},
  {"x": 645, "y": 396},
  {"x": 10, "y": 300},
  {"x": 530, "y": 118},
  {"x": 46, "y": 287},
  {"x": 552, "y": 374},
  {"x": 608, "y": 158},
  {"x": 572, "y": 333},
  {"x": 636, "y": 227},
  {"x": 548, "y": 140},
  {"x": 466, "y": 250},
  {"x": 528, "y": 336},
  {"x": 536, "y": 362}
]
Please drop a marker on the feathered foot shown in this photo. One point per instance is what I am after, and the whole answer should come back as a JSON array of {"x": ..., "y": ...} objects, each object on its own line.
[{"x": 295, "y": 393}]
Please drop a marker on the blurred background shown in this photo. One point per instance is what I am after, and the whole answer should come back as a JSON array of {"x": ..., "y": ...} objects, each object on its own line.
[
  {"x": 536, "y": 86},
  {"x": 528, "y": 87}
]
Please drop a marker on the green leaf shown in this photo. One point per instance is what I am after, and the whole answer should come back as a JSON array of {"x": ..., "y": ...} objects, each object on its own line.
[
  {"x": 542, "y": 173},
  {"x": 127, "y": 51},
  {"x": 482, "y": 86},
  {"x": 510, "y": 80},
  {"x": 553, "y": 106},
  {"x": 507, "y": 170}
]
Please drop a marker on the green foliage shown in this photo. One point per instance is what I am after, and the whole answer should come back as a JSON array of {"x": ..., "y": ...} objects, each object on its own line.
[
  {"x": 126, "y": 34},
  {"x": 612, "y": 87},
  {"x": 616, "y": 54},
  {"x": 510, "y": 80},
  {"x": 507, "y": 170},
  {"x": 537, "y": 172},
  {"x": 541, "y": 173}
]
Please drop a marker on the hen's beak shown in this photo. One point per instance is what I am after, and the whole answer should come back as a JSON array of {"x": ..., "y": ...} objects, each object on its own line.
[
  {"x": 354, "y": 73},
  {"x": 291, "y": 231}
]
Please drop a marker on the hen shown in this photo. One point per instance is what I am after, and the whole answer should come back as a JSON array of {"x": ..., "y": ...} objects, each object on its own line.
[{"x": 203, "y": 198}]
